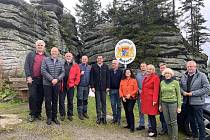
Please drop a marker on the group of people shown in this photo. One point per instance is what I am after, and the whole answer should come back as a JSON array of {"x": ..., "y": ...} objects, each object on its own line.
[{"x": 52, "y": 79}]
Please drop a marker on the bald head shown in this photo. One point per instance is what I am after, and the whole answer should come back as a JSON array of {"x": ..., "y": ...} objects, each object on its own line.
[
  {"x": 84, "y": 59},
  {"x": 54, "y": 52},
  {"x": 115, "y": 64}
]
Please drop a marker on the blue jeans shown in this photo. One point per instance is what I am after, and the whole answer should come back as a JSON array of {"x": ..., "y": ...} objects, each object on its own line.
[
  {"x": 115, "y": 104},
  {"x": 163, "y": 122},
  {"x": 141, "y": 115},
  {"x": 82, "y": 99}
]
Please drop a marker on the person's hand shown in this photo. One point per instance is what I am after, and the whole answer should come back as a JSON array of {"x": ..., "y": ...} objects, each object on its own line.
[
  {"x": 54, "y": 81},
  {"x": 82, "y": 73},
  {"x": 93, "y": 90},
  {"x": 128, "y": 96},
  {"x": 160, "y": 109},
  {"x": 29, "y": 80},
  {"x": 123, "y": 98},
  {"x": 185, "y": 94},
  {"x": 179, "y": 110},
  {"x": 107, "y": 89},
  {"x": 190, "y": 94},
  {"x": 154, "y": 103}
]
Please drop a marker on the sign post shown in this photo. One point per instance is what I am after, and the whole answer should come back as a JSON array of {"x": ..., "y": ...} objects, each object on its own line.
[{"x": 125, "y": 52}]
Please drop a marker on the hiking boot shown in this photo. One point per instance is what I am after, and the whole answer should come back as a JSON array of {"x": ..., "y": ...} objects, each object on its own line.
[
  {"x": 127, "y": 126},
  {"x": 39, "y": 117},
  {"x": 162, "y": 132},
  {"x": 104, "y": 121},
  {"x": 70, "y": 118},
  {"x": 81, "y": 117},
  {"x": 48, "y": 122},
  {"x": 98, "y": 121},
  {"x": 140, "y": 128},
  {"x": 114, "y": 121},
  {"x": 62, "y": 118},
  {"x": 86, "y": 115},
  {"x": 55, "y": 120},
  {"x": 31, "y": 118}
]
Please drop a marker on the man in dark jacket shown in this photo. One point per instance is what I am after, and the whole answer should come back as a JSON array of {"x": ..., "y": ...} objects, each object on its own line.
[
  {"x": 32, "y": 69},
  {"x": 100, "y": 83},
  {"x": 115, "y": 78},
  {"x": 52, "y": 70},
  {"x": 83, "y": 88},
  {"x": 194, "y": 86}
]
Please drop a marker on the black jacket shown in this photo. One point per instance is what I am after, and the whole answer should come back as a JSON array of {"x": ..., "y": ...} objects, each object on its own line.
[
  {"x": 115, "y": 78},
  {"x": 29, "y": 62},
  {"x": 99, "y": 77}
]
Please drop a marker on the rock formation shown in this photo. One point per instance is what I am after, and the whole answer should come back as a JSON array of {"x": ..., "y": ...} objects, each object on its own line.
[
  {"x": 168, "y": 47},
  {"x": 21, "y": 24}
]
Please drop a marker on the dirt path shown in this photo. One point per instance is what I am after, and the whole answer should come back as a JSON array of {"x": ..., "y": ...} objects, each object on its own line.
[{"x": 75, "y": 130}]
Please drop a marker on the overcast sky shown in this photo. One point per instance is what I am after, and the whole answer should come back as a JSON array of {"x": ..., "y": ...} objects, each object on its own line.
[{"x": 70, "y": 4}]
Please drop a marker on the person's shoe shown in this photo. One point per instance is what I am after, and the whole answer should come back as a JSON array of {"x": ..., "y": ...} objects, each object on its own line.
[
  {"x": 114, "y": 121},
  {"x": 140, "y": 128},
  {"x": 132, "y": 130},
  {"x": 104, "y": 121},
  {"x": 98, "y": 121},
  {"x": 162, "y": 132},
  {"x": 151, "y": 134},
  {"x": 127, "y": 126},
  {"x": 70, "y": 118},
  {"x": 55, "y": 120},
  {"x": 119, "y": 123},
  {"x": 86, "y": 115},
  {"x": 149, "y": 130},
  {"x": 62, "y": 118},
  {"x": 48, "y": 122},
  {"x": 31, "y": 118},
  {"x": 39, "y": 117},
  {"x": 81, "y": 117}
]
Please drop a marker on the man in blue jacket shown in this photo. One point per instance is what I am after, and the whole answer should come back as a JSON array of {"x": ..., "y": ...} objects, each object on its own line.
[
  {"x": 33, "y": 75},
  {"x": 194, "y": 86},
  {"x": 83, "y": 88},
  {"x": 115, "y": 78}
]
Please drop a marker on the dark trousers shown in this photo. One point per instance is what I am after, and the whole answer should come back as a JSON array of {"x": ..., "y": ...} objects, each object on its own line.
[
  {"x": 153, "y": 123},
  {"x": 128, "y": 107},
  {"x": 163, "y": 122},
  {"x": 115, "y": 104},
  {"x": 100, "y": 98},
  {"x": 82, "y": 99},
  {"x": 195, "y": 116},
  {"x": 51, "y": 100},
  {"x": 70, "y": 104},
  {"x": 36, "y": 96}
]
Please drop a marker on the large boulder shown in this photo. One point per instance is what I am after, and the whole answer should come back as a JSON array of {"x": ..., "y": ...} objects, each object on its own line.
[
  {"x": 21, "y": 24},
  {"x": 168, "y": 47}
]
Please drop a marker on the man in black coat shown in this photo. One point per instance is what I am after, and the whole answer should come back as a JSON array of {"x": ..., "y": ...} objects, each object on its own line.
[
  {"x": 100, "y": 82},
  {"x": 32, "y": 70}
]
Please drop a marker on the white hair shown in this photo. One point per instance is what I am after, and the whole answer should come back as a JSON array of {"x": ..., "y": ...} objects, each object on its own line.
[
  {"x": 168, "y": 70},
  {"x": 40, "y": 42}
]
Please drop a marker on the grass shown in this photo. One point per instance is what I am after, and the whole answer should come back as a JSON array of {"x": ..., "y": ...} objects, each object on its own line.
[{"x": 67, "y": 130}]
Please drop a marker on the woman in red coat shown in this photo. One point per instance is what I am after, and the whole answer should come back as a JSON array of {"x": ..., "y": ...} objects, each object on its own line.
[{"x": 149, "y": 97}]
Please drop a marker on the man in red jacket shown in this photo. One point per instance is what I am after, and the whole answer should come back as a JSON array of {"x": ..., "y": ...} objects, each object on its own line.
[{"x": 70, "y": 81}]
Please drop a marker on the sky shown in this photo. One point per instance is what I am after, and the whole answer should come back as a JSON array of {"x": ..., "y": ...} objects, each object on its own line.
[{"x": 70, "y": 4}]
